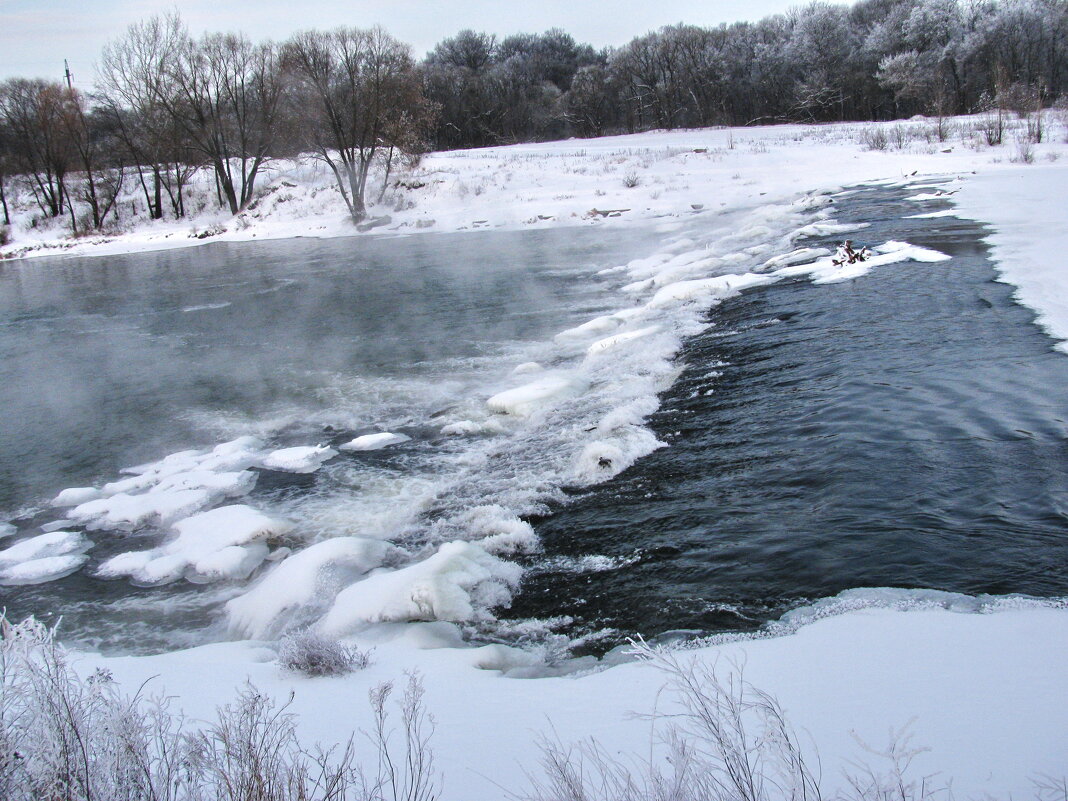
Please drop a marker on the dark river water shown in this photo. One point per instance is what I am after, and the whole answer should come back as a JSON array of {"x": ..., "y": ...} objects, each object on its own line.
[{"x": 904, "y": 429}]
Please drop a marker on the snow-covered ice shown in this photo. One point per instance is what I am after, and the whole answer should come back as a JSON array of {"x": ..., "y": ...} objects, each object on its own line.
[
  {"x": 374, "y": 442},
  {"x": 224, "y": 543}
]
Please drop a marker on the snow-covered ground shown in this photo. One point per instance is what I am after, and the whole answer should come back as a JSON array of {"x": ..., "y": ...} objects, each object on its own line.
[{"x": 981, "y": 679}]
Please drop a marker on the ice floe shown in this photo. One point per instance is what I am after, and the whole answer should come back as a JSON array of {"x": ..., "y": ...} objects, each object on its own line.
[
  {"x": 300, "y": 459},
  {"x": 45, "y": 557},
  {"x": 524, "y": 400}
]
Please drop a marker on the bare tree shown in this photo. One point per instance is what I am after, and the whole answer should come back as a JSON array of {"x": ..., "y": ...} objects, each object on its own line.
[
  {"x": 33, "y": 112},
  {"x": 133, "y": 85},
  {"x": 226, "y": 99},
  {"x": 363, "y": 95}
]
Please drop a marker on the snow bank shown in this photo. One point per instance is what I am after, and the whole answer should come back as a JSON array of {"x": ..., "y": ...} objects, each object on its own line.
[
  {"x": 945, "y": 671},
  {"x": 1027, "y": 208}
]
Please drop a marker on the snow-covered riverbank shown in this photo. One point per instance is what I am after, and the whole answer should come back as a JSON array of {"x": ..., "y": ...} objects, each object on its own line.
[{"x": 980, "y": 678}]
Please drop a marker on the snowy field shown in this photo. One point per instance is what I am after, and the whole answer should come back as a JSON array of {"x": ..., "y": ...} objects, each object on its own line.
[{"x": 977, "y": 681}]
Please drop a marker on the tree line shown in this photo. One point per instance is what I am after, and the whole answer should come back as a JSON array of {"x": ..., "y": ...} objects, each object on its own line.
[{"x": 167, "y": 104}]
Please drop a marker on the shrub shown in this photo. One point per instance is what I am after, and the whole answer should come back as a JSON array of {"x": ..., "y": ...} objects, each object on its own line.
[
  {"x": 5, "y": 235},
  {"x": 313, "y": 654},
  {"x": 874, "y": 137},
  {"x": 631, "y": 180}
]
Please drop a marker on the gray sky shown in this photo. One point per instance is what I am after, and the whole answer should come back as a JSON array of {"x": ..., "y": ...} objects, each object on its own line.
[{"x": 36, "y": 35}]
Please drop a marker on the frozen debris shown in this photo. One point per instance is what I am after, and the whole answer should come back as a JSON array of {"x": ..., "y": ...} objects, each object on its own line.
[
  {"x": 374, "y": 442},
  {"x": 460, "y": 582},
  {"x": 302, "y": 584},
  {"x": 224, "y": 543},
  {"x": 313, "y": 655},
  {"x": 301, "y": 459},
  {"x": 798, "y": 256}
]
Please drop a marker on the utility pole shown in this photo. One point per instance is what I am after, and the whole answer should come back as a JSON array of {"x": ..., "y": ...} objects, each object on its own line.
[{"x": 66, "y": 71}]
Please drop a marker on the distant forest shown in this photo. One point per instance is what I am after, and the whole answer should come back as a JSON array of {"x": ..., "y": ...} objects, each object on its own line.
[{"x": 166, "y": 104}]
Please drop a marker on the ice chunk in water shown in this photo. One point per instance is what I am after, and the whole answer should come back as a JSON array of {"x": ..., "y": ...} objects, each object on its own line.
[
  {"x": 133, "y": 511},
  {"x": 374, "y": 442},
  {"x": 76, "y": 496},
  {"x": 223, "y": 543},
  {"x": 301, "y": 459},
  {"x": 38, "y": 571},
  {"x": 523, "y": 400},
  {"x": 45, "y": 557},
  {"x": 6, "y": 530}
]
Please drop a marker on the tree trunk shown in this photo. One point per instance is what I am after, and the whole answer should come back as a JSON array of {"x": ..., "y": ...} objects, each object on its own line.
[
  {"x": 3, "y": 201},
  {"x": 156, "y": 212}
]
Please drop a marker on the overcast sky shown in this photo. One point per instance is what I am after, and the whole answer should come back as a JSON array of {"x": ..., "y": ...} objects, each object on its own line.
[{"x": 36, "y": 35}]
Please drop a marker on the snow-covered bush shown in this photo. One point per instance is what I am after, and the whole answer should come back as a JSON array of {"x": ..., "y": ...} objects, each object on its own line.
[
  {"x": 873, "y": 137},
  {"x": 313, "y": 654},
  {"x": 66, "y": 737}
]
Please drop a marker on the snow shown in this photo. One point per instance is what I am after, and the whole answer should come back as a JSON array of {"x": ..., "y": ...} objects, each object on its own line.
[
  {"x": 1027, "y": 210},
  {"x": 224, "y": 543},
  {"x": 979, "y": 680},
  {"x": 374, "y": 442}
]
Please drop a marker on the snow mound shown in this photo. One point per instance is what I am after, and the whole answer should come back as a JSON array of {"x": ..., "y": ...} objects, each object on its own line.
[
  {"x": 303, "y": 583},
  {"x": 460, "y": 582},
  {"x": 301, "y": 459},
  {"x": 374, "y": 442},
  {"x": 225, "y": 543}
]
